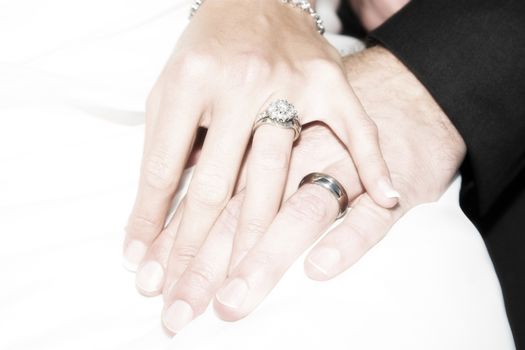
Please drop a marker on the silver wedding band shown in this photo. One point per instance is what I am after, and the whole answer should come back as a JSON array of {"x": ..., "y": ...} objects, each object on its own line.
[
  {"x": 280, "y": 113},
  {"x": 332, "y": 185}
]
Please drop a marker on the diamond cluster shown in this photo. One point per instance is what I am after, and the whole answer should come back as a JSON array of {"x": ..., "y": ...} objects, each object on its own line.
[{"x": 282, "y": 111}]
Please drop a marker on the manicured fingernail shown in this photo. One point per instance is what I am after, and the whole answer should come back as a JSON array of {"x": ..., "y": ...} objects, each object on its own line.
[
  {"x": 386, "y": 187},
  {"x": 150, "y": 277},
  {"x": 134, "y": 254},
  {"x": 177, "y": 316},
  {"x": 234, "y": 294},
  {"x": 325, "y": 260}
]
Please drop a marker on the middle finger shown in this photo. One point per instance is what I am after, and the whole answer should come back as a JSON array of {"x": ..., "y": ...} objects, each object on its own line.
[{"x": 210, "y": 188}]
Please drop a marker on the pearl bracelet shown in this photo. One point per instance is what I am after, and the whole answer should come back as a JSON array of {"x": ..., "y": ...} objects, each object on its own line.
[{"x": 301, "y": 4}]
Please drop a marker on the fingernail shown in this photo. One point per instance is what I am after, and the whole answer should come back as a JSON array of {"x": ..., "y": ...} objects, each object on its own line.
[
  {"x": 386, "y": 187},
  {"x": 325, "y": 260},
  {"x": 150, "y": 277},
  {"x": 234, "y": 294},
  {"x": 177, "y": 316},
  {"x": 134, "y": 254}
]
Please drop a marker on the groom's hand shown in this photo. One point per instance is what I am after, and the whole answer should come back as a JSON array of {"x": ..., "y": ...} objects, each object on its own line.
[
  {"x": 423, "y": 151},
  {"x": 422, "y": 147}
]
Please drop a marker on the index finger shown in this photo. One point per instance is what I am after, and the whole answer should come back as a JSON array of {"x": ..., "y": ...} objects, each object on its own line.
[{"x": 365, "y": 225}]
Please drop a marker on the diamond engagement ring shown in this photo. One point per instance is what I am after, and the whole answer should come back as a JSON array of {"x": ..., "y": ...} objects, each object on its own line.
[
  {"x": 280, "y": 113},
  {"x": 332, "y": 185}
]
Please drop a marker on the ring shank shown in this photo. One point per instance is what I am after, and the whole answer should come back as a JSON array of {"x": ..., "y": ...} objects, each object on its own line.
[
  {"x": 332, "y": 185},
  {"x": 294, "y": 125}
]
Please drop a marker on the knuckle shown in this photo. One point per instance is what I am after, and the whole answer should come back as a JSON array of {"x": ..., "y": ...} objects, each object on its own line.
[
  {"x": 209, "y": 189},
  {"x": 255, "y": 228},
  {"x": 158, "y": 171},
  {"x": 183, "y": 255},
  {"x": 200, "y": 274},
  {"x": 307, "y": 206}
]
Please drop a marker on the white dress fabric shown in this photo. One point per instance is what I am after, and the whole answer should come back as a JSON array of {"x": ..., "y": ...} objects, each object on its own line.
[{"x": 74, "y": 76}]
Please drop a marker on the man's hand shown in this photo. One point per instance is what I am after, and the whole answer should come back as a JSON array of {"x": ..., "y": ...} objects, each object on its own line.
[
  {"x": 423, "y": 151},
  {"x": 421, "y": 146}
]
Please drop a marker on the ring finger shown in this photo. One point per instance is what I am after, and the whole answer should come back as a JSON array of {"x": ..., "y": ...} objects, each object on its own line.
[{"x": 302, "y": 219}]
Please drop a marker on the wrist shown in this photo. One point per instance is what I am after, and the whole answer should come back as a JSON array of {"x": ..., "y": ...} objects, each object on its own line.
[{"x": 398, "y": 94}]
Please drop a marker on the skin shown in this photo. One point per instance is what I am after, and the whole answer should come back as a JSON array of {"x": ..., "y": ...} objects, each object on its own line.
[
  {"x": 245, "y": 253},
  {"x": 221, "y": 80},
  {"x": 271, "y": 52},
  {"x": 373, "y": 13},
  {"x": 422, "y": 149}
]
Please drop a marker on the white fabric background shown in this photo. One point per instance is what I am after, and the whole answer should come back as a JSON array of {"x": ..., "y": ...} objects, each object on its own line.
[{"x": 73, "y": 80}]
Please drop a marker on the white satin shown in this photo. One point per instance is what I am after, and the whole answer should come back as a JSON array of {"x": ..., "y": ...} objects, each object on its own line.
[{"x": 73, "y": 79}]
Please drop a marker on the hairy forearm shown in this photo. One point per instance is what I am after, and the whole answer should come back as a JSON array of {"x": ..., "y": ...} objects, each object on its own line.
[{"x": 397, "y": 91}]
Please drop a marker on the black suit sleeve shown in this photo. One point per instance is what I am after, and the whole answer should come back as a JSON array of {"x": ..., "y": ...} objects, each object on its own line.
[{"x": 470, "y": 55}]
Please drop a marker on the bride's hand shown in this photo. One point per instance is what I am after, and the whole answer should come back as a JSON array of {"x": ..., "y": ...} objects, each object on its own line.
[{"x": 236, "y": 57}]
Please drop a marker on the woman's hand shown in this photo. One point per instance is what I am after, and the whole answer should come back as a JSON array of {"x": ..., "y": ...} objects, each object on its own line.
[
  {"x": 423, "y": 151},
  {"x": 236, "y": 57}
]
